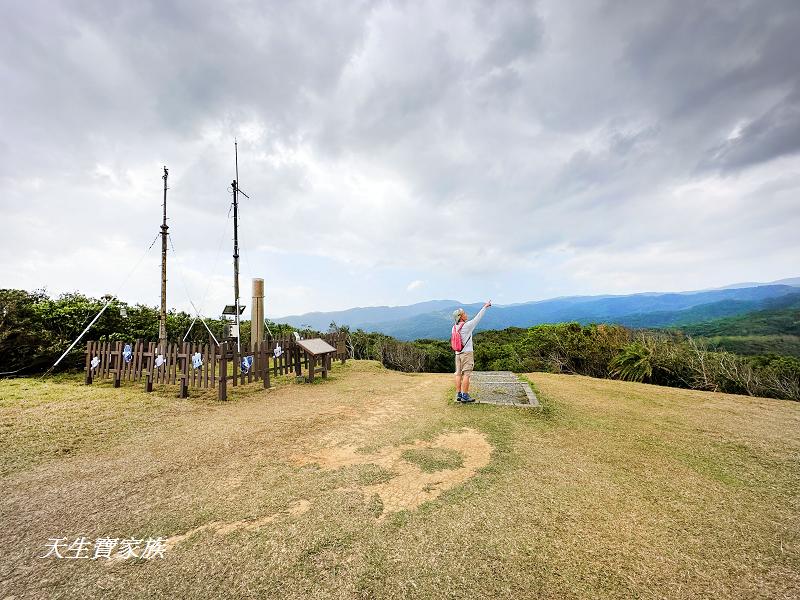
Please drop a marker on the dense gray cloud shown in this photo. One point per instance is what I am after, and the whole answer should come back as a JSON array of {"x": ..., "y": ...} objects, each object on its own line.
[{"x": 600, "y": 147}]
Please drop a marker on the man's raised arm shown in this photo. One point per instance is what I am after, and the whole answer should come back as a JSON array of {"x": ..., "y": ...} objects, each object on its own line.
[{"x": 473, "y": 322}]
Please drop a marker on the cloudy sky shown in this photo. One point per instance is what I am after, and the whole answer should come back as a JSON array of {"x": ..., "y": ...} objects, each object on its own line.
[{"x": 395, "y": 152}]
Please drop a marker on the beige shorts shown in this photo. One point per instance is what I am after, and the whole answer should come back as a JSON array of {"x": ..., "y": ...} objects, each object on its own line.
[{"x": 465, "y": 362}]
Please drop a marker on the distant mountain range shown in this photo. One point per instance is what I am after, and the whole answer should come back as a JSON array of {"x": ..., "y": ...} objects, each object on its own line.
[{"x": 432, "y": 319}]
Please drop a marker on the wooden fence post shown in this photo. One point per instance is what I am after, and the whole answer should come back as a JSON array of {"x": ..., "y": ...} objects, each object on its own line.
[
  {"x": 118, "y": 363},
  {"x": 298, "y": 366},
  {"x": 185, "y": 370},
  {"x": 212, "y": 365},
  {"x": 249, "y": 352},
  {"x": 265, "y": 363},
  {"x": 151, "y": 354},
  {"x": 137, "y": 360},
  {"x": 223, "y": 371},
  {"x": 89, "y": 346}
]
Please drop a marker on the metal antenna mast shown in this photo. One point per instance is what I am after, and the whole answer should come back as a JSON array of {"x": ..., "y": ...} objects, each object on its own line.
[
  {"x": 162, "y": 321},
  {"x": 236, "y": 192}
]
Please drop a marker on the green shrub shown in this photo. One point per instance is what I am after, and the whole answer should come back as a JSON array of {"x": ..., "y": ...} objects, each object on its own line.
[{"x": 634, "y": 363}]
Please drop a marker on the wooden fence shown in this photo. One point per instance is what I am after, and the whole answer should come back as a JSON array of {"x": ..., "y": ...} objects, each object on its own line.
[{"x": 194, "y": 365}]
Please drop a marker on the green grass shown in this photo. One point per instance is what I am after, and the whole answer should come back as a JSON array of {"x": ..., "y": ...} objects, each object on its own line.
[
  {"x": 431, "y": 460},
  {"x": 611, "y": 490}
]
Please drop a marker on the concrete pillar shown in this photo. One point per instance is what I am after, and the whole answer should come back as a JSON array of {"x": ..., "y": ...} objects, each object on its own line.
[{"x": 257, "y": 313}]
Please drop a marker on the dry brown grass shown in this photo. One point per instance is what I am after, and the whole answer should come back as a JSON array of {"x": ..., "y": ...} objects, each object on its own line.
[{"x": 612, "y": 490}]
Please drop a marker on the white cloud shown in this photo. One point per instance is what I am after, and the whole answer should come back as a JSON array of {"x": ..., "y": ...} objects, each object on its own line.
[{"x": 534, "y": 146}]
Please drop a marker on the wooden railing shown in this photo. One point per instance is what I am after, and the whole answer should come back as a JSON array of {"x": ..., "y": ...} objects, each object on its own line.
[{"x": 194, "y": 365}]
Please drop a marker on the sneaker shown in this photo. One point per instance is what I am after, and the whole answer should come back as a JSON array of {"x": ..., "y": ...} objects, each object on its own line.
[
  {"x": 458, "y": 397},
  {"x": 466, "y": 398}
]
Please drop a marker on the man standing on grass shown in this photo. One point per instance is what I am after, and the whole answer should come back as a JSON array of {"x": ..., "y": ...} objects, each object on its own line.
[{"x": 465, "y": 359}]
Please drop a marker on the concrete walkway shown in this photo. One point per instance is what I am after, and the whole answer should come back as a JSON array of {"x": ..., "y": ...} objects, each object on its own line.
[{"x": 503, "y": 388}]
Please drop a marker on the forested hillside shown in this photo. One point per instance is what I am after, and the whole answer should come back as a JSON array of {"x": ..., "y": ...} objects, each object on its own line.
[
  {"x": 772, "y": 331},
  {"x": 36, "y": 329}
]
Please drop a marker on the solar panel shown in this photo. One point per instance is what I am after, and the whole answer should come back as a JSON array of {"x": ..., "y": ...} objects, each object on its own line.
[{"x": 230, "y": 309}]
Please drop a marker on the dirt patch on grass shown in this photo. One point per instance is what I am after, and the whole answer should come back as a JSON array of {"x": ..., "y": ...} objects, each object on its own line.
[
  {"x": 296, "y": 509},
  {"x": 415, "y": 481}
]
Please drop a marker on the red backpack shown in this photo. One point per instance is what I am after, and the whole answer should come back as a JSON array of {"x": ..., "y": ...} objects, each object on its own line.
[{"x": 455, "y": 338}]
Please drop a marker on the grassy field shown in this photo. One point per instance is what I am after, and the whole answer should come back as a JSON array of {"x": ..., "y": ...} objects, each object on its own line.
[{"x": 375, "y": 484}]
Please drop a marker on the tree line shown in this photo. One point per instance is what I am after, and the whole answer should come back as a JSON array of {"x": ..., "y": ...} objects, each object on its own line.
[
  {"x": 608, "y": 351},
  {"x": 35, "y": 329}
]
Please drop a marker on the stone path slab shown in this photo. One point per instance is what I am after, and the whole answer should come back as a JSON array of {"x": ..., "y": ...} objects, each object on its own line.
[{"x": 503, "y": 388}]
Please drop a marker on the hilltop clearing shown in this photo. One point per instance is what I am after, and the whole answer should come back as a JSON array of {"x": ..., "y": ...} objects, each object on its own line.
[{"x": 375, "y": 484}]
